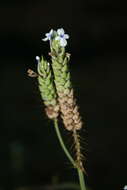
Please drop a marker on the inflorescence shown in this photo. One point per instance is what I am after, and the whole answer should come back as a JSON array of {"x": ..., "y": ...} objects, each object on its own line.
[{"x": 55, "y": 85}]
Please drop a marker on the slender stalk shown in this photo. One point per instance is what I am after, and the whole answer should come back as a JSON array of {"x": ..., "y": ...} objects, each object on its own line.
[
  {"x": 80, "y": 173},
  {"x": 62, "y": 143},
  {"x": 81, "y": 179}
]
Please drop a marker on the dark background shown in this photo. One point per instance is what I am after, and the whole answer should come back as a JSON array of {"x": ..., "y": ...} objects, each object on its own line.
[{"x": 29, "y": 152}]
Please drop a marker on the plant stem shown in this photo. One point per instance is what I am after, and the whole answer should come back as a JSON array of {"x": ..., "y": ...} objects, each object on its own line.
[
  {"x": 62, "y": 143},
  {"x": 80, "y": 173},
  {"x": 81, "y": 179}
]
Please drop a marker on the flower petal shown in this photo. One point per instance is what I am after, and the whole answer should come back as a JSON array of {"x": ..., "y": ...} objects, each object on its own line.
[
  {"x": 66, "y": 36},
  {"x": 45, "y": 39},
  {"x": 51, "y": 32},
  {"x": 60, "y": 31},
  {"x": 48, "y": 35},
  {"x": 63, "y": 42}
]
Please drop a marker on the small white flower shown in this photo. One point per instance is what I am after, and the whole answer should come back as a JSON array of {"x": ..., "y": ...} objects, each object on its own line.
[
  {"x": 125, "y": 187},
  {"x": 62, "y": 37},
  {"x": 48, "y": 35}
]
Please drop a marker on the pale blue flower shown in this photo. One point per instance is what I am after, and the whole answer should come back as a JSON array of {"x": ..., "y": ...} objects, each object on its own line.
[
  {"x": 125, "y": 187},
  {"x": 48, "y": 35},
  {"x": 61, "y": 36}
]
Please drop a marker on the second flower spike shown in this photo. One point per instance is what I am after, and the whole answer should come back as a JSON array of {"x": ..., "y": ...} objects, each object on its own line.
[{"x": 47, "y": 88}]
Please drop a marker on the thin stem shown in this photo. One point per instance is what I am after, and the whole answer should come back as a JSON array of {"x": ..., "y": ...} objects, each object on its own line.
[
  {"x": 80, "y": 173},
  {"x": 81, "y": 179},
  {"x": 62, "y": 143}
]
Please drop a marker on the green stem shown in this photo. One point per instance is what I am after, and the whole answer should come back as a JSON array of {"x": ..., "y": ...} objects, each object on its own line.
[
  {"x": 80, "y": 173},
  {"x": 81, "y": 179},
  {"x": 62, "y": 143}
]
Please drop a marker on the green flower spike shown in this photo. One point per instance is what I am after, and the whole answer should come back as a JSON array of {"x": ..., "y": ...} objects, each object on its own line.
[
  {"x": 47, "y": 88},
  {"x": 60, "y": 65},
  {"x": 68, "y": 107}
]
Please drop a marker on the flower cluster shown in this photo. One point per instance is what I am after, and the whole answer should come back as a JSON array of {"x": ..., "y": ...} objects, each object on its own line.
[
  {"x": 58, "y": 35},
  {"x": 56, "y": 90}
]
